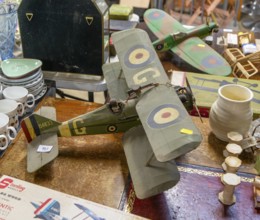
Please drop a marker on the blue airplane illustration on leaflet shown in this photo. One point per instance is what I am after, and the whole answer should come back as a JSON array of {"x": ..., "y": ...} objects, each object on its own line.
[{"x": 50, "y": 210}]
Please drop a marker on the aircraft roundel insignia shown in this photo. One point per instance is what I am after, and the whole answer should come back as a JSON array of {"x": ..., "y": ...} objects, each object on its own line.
[
  {"x": 155, "y": 15},
  {"x": 159, "y": 46},
  {"x": 212, "y": 62},
  {"x": 138, "y": 56},
  {"x": 111, "y": 128},
  {"x": 164, "y": 116}
]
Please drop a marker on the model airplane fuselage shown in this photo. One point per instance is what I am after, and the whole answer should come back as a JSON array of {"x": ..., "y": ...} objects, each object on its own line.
[
  {"x": 110, "y": 118},
  {"x": 172, "y": 40}
]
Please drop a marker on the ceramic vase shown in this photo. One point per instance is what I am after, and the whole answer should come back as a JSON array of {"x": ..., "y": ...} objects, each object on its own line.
[{"x": 231, "y": 111}]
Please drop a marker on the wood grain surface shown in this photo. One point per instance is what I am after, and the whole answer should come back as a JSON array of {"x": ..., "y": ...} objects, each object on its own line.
[{"x": 90, "y": 167}]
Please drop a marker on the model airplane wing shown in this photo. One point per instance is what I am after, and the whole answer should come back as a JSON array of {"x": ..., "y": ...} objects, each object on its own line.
[
  {"x": 161, "y": 23},
  {"x": 167, "y": 124},
  {"x": 149, "y": 176},
  {"x": 116, "y": 82},
  {"x": 201, "y": 56},
  {"x": 193, "y": 50},
  {"x": 138, "y": 59}
]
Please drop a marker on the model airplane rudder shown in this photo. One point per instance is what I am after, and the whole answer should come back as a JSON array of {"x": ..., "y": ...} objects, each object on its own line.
[{"x": 36, "y": 125}]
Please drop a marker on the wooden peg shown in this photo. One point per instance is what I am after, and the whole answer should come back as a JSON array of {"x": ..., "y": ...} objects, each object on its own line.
[
  {"x": 256, "y": 189},
  {"x": 234, "y": 137},
  {"x": 230, "y": 181},
  {"x": 231, "y": 164},
  {"x": 232, "y": 149}
]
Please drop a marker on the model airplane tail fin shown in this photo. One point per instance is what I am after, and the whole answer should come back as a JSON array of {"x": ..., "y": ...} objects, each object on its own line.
[
  {"x": 49, "y": 207},
  {"x": 36, "y": 125}
]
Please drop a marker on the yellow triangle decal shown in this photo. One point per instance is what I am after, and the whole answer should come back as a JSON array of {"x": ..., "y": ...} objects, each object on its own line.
[
  {"x": 29, "y": 16},
  {"x": 89, "y": 20}
]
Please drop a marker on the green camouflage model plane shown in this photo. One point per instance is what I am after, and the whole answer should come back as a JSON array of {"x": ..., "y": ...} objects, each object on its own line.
[
  {"x": 186, "y": 43},
  {"x": 145, "y": 106}
]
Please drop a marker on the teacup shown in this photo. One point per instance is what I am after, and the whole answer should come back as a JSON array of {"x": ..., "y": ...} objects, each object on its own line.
[
  {"x": 1, "y": 92},
  {"x": 7, "y": 133},
  {"x": 20, "y": 94},
  {"x": 10, "y": 108}
]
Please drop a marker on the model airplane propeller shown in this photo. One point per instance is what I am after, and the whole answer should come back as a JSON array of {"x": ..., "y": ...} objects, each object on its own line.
[
  {"x": 186, "y": 43},
  {"x": 145, "y": 106}
]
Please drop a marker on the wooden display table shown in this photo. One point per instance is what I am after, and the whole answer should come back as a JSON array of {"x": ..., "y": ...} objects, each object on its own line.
[
  {"x": 90, "y": 167},
  {"x": 95, "y": 168}
]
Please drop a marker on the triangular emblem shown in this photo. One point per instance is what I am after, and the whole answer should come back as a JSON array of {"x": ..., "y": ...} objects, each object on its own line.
[
  {"x": 89, "y": 20},
  {"x": 29, "y": 16}
]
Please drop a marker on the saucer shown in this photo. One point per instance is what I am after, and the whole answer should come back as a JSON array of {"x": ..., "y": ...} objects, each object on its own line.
[
  {"x": 31, "y": 77},
  {"x": 19, "y": 68}
]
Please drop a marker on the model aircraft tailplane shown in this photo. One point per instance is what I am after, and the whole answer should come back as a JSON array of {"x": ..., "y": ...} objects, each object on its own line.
[
  {"x": 36, "y": 125},
  {"x": 37, "y": 157},
  {"x": 48, "y": 208}
]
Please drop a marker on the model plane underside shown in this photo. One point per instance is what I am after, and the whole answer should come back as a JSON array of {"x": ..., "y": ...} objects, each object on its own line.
[{"x": 193, "y": 50}]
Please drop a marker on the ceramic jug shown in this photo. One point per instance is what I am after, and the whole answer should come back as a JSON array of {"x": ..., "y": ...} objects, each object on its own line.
[{"x": 231, "y": 111}]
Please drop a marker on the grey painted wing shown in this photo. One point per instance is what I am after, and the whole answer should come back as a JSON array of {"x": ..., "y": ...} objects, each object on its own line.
[
  {"x": 150, "y": 177},
  {"x": 138, "y": 58},
  {"x": 116, "y": 83},
  {"x": 168, "y": 126}
]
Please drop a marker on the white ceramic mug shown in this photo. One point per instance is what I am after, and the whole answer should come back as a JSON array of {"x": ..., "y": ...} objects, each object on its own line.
[
  {"x": 20, "y": 94},
  {"x": 1, "y": 92},
  {"x": 10, "y": 108},
  {"x": 7, "y": 133}
]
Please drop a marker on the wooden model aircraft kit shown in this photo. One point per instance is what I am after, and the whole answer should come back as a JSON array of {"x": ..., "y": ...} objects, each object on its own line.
[
  {"x": 144, "y": 105},
  {"x": 186, "y": 43}
]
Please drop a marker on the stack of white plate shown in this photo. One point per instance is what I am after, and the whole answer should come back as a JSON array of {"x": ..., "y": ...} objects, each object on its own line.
[{"x": 23, "y": 72}]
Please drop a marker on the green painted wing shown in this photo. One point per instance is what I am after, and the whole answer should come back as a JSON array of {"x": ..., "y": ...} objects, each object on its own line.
[
  {"x": 201, "y": 56},
  {"x": 161, "y": 23}
]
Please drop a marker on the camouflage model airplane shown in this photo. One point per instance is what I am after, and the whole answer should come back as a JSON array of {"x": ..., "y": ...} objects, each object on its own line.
[
  {"x": 186, "y": 43},
  {"x": 145, "y": 106}
]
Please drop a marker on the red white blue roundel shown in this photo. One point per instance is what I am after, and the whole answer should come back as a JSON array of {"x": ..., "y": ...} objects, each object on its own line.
[
  {"x": 212, "y": 61},
  {"x": 111, "y": 128},
  {"x": 154, "y": 15},
  {"x": 138, "y": 56},
  {"x": 164, "y": 116}
]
